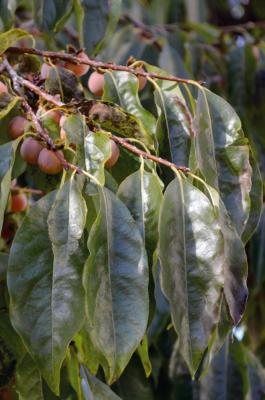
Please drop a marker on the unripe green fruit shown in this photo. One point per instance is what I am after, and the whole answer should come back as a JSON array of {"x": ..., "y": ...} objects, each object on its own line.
[
  {"x": 115, "y": 153},
  {"x": 96, "y": 83},
  {"x": 78, "y": 69},
  {"x": 30, "y": 151},
  {"x": 49, "y": 163},
  {"x": 16, "y": 127}
]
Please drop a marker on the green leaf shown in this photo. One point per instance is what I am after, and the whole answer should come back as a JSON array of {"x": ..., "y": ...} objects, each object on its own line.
[
  {"x": 7, "y": 10},
  {"x": 122, "y": 88},
  {"x": 144, "y": 356},
  {"x": 191, "y": 251},
  {"x": 117, "y": 295},
  {"x": 44, "y": 277},
  {"x": 223, "y": 155},
  {"x": 112, "y": 117},
  {"x": 11, "y": 37},
  {"x": 97, "y": 152},
  {"x": 28, "y": 379},
  {"x": 7, "y": 103},
  {"x": 174, "y": 125},
  {"x": 72, "y": 365},
  {"x": 94, "y": 389},
  {"x": 256, "y": 201},
  {"x": 49, "y": 13},
  {"x": 7, "y": 159},
  {"x": 97, "y": 20},
  {"x": 141, "y": 192},
  {"x": 235, "y": 373}
]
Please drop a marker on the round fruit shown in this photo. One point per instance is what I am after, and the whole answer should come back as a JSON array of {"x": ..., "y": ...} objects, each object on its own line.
[
  {"x": 19, "y": 203},
  {"x": 115, "y": 153},
  {"x": 55, "y": 115},
  {"x": 141, "y": 79},
  {"x": 30, "y": 151},
  {"x": 3, "y": 88},
  {"x": 49, "y": 163},
  {"x": 45, "y": 70},
  {"x": 96, "y": 83},
  {"x": 78, "y": 69},
  {"x": 16, "y": 127}
]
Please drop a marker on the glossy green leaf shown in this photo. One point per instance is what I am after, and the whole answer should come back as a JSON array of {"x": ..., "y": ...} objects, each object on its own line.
[
  {"x": 97, "y": 19},
  {"x": 191, "y": 251},
  {"x": 94, "y": 389},
  {"x": 44, "y": 278},
  {"x": 7, "y": 159},
  {"x": 122, "y": 88},
  {"x": 256, "y": 201},
  {"x": 117, "y": 295},
  {"x": 47, "y": 14},
  {"x": 11, "y": 37},
  {"x": 97, "y": 152},
  {"x": 141, "y": 192},
  {"x": 223, "y": 155},
  {"x": 28, "y": 380},
  {"x": 174, "y": 125}
]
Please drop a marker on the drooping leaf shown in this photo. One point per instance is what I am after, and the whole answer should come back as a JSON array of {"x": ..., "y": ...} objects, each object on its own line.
[
  {"x": 3, "y": 265},
  {"x": 7, "y": 159},
  {"x": 97, "y": 152},
  {"x": 117, "y": 296},
  {"x": 122, "y": 88},
  {"x": 234, "y": 373},
  {"x": 97, "y": 20},
  {"x": 72, "y": 365},
  {"x": 94, "y": 389},
  {"x": 44, "y": 278},
  {"x": 49, "y": 14},
  {"x": 144, "y": 356},
  {"x": 28, "y": 379},
  {"x": 191, "y": 252},
  {"x": 141, "y": 192},
  {"x": 11, "y": 37},
  {"x": 174, "y": 126},
  {"x": 223, "y": 155},
  {"x": 256, "y": 201}
]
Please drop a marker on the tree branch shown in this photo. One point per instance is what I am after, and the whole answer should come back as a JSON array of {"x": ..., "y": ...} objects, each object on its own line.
[
  {"x": 133, "y": 149},
  {"x": 99, "y": 64}
]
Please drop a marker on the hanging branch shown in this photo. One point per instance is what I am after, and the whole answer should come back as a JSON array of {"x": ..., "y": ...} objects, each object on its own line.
[
  {"x": 17, "y": 82},
  {"x": 58, "y": 55}
]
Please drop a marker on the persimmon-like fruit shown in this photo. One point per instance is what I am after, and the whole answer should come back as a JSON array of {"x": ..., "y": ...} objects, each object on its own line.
[
  {"x": 96, "y": 83},
  {"x": 115, "y": 153},
  {"x": 49, "y": 163},
  {"x": 30, "y": 151},
  {"x": 3, "y": 88},
  {"x": 16, "y": 126},
  {"x": 78, "y": 69},
  {"x": 19, "y": 202}
]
